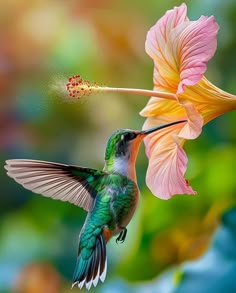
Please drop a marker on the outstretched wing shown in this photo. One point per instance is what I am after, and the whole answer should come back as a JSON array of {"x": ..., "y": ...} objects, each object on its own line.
[{"x": 64, "y": 182}]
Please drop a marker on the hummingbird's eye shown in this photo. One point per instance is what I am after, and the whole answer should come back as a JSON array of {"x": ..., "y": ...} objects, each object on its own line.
[{"x": 130, "y": 136}]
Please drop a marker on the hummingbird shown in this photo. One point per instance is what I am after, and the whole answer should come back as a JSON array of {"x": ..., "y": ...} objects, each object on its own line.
[{"x": 109, "y": 196}]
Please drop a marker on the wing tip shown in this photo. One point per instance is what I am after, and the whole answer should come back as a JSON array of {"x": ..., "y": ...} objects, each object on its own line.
[
  {"x": 7, "y": 167},
  {"x": 7, "y": 164},
  {"x": 12, "y": 163}
]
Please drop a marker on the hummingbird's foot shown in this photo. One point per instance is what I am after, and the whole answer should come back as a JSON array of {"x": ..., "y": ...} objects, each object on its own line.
[{"x": 122, "y": 236}]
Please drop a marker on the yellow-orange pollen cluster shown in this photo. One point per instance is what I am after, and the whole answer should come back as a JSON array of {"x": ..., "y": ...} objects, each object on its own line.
[{"x": 78, "y": 87}]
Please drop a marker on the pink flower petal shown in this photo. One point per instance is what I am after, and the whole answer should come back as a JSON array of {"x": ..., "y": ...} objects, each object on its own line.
[
  {"x": 167, "y": 165},
  {"x": 167, "y": 159},
  {"x": 180, "y": 49},
  {"x": 156, "y": 48},
  {"x": 196, "y": 46},
  {"x": 159, "y": 33}
]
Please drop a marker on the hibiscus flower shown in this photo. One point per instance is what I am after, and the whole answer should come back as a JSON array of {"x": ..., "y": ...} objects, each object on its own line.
[{"x": 180, "y": 49}]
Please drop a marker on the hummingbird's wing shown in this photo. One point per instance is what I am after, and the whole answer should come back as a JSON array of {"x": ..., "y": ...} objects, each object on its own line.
[{"x": 64, "y": 182}]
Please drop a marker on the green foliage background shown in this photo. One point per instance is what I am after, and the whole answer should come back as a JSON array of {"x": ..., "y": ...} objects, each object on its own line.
[{"x": 42, "y": 44}]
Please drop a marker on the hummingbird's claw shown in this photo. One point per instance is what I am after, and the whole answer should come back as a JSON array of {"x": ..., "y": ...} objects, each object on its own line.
[
  {"x": 122, "y": 236},
  {"x": 118, "y": 240}
]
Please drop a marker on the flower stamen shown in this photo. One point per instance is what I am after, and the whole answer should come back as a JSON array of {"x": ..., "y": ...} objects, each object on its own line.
[{"x": 78, "y": 87}]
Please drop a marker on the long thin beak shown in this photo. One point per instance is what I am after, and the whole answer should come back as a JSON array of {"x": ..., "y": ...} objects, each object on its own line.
[{"x": 148, "y": 131}]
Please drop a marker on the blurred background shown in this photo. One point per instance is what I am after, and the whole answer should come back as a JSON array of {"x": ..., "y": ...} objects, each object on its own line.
[{"x": 45, "y": 42}]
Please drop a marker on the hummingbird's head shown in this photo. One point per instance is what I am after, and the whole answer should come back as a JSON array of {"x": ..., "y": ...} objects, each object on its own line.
[
  {"x": 120, "y": 142},
  {"x": 123, "y": 144}
]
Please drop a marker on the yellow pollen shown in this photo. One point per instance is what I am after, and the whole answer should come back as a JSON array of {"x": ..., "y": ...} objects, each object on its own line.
[{"x": 78, "y": 87}]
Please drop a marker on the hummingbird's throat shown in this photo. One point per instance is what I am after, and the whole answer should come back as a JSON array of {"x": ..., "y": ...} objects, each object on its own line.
[{"x": 125, "y": 166}]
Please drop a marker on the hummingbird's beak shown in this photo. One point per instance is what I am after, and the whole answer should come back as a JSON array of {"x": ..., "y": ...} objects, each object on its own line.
[{"x": 148, "y": 131}]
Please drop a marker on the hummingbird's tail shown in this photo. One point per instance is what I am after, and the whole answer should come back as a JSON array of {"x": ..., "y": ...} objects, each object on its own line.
[{"x": 91, "y": 263}]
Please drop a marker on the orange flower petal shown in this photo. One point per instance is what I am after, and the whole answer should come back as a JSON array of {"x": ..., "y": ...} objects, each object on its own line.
[{"x": 193, "y": 128}]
